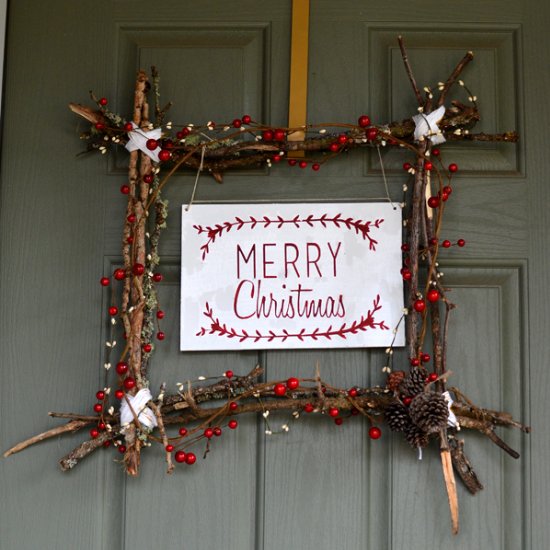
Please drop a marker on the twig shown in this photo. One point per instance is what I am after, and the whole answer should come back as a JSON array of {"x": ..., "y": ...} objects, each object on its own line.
[
  {"x": 453, "y": 77},
  {"x": 409, "y": 71},
  {"x": 72, "y": 426}
]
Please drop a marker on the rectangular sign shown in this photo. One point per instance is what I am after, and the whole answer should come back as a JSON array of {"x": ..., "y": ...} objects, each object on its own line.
[{"x": 272, "y": 276}]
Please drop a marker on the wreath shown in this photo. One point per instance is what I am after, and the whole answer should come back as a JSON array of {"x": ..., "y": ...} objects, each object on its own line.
[{"x": 419, "y": 403}]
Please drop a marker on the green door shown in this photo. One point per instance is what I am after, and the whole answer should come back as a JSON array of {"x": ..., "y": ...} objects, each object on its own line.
[{"x": 320, "y": 486}]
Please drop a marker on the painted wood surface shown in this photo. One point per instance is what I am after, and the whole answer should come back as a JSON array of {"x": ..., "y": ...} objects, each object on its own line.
[{"x": 60, "y": 232}]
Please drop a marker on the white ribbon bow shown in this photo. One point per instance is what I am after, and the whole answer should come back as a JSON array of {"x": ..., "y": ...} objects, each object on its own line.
[
  {"x": 452, "y": 420},
  {"x": 138, "y": 404},
  {"x": 426, "y": 126},
  {"x": 137, "y": 139}
]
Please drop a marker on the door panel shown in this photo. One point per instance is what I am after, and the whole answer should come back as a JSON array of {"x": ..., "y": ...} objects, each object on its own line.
[{"x": 318, "y": 486}]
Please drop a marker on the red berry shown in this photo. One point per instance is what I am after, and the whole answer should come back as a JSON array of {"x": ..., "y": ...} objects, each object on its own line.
[
  {"x": 100, "y": 395},
  {"x": 405, "y": 247},
  {"x": 125, "y": 189},
  {"x": 425, "y": 357},
  {"x": 228, "y": 374},
  {"x": 151, "y": 144},
  {"x": 436, "y": 152},
  {"x": 414, "y": 361},
  {"x": 128, "y": 127},
  {"x": 138, "y": 269},
  {"x": 339, "y": 421},
  {"x": 292, "y": 162},
  {"x": 276, "y": 158},
  {"x": 428, "y": 165},
  {"x": 147, "y": 348},
  {"x": 101, "y": 426},
  {"x": 208, "y": 433},
  {"x": 232, "y": 424},
  {"x": 309, "y": 408},
  {"x": 279, "y": 389},
  {"x": 246, "y": 119},
  {"x": 267, "y": 135},
  {"x": 99, "y": 126},
  {"x": 233, "y": 406},
  {"x": 148, "y": 178},
  {"x": 433, "y": 241},
  {"x": 130, "y": 239},
  {"x": 432, "y": 377},
  {"x": 375, "y": 432},
  {"x": 107, "y": 443},
  {"x": 119, "y": 274},
  {"x": 164, "y": 155},
  {"x": 180, "y": 456},
  {"x": 302, "y": 164},
  {"x": 161, "y": 335},
  {"x": 352, "y": 392},
  {"x": 334, "y": 147},
  {"x": 432, "y": 295},
  {"x": 407, "y": 166},
  {"x": 129, "y": 383},
  {"x": 122, "y": 368},
  {"x": 342, "y": 139},
  {"x": 237, "y": 123},
  {"x": 190, "y": 459},
  {"x": 334, "y": 412},
  {"x": 183, "y": 432},
  {"x": 363, "y": 121},
  {"x": 122, "y": 449},
  {"x": 98, "y": 407},
  {"x": 461, "y": 242},
  {"x": 131, "y": 218},
  {"x": 160, "y": 314},
  {"x": 119, "y": 394},
  {"x": 169, "y": 448},
  {"x": 157, "y": 277},
  {"x": 279, "y": 135},
  {"x": 217, "y": 431},
  {"x": 94, "y": 432},
  {"x": 315, "y": 166},
  {"x": 447, "y": 189},
  {"x": 292, "y": 383},
  {"x": 453, "y": 168},
  {"x": 433, "y": 202},
  {"x": 113, "y": 310},
  {"x": 185, "y": 132},
  {"x": 419, "y": 305},
  {"x": 407, "y": 400},
  {"x": 104, "y": 281},
  {"x": 372, "y": 133},
  {"x": 103, "y": 101},
  {"x": 354, "y": 412},
  {"x": 446, "y": 243},
  {"x": 406, "y": 274},
  {"x": 444, "y": 196}
]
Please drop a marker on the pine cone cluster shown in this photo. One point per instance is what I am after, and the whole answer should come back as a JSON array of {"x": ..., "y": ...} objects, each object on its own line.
[{"x": 427, "y": 411}]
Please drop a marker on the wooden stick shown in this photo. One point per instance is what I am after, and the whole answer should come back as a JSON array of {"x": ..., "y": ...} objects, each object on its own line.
[
  {"x": 450, "y": 484},
  {"x": 409, "y": 72},
  {"x": 72, "y": 426}
]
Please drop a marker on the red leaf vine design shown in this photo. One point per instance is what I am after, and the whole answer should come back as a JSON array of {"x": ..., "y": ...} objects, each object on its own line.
[
  {"x": 221, "y": 329},
  {"x": 360, "y": 227}
]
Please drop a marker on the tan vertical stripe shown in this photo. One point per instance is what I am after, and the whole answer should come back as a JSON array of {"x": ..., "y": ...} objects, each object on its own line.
[{"x": 297, "y": 108}]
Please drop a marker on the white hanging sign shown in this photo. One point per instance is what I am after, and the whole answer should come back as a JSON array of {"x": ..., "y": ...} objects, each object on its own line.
[{"x": 272, "y": 276}]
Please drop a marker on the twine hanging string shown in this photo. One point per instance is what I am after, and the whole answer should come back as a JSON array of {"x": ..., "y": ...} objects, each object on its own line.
[{"x": 201, "y": 166}]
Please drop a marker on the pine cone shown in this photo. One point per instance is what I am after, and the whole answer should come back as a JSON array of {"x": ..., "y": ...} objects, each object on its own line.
[
  {"x": 394, "y": 379},
  {"x": 414, "y": 382},
  {"x": 397, "y": 417},
  {"x": 416, "y": 437},
  {"x": 429, "y": 411}
]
